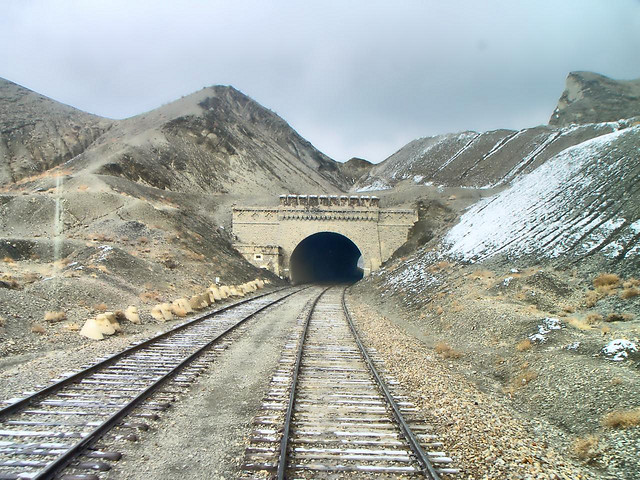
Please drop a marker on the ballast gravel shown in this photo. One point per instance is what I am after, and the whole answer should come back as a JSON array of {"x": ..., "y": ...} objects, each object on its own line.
[{"x": 486, "y": 439}]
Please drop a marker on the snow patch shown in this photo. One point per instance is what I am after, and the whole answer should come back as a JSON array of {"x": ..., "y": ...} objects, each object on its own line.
[{"x": 619, "y": 349}]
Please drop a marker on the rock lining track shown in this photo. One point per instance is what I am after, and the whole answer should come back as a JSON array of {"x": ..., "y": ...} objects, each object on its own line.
[
  {"x": 330, "y": 414},
  {"x": 57, "y": 428}
]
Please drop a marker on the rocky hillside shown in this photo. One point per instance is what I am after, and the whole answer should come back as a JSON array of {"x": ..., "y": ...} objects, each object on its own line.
[
  {"x": 583, "y": 202},
  {"x": 592, "y": 98},
  {"x": 216, "y": 140},
  {"x": 477, "y": 160},
  {"x": 37, "y": 133}
]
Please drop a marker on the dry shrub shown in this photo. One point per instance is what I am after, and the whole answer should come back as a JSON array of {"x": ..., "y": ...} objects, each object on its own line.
[
  {"x": 446, "y": 350},
  {"x": 100, "y": 307},
  {"x": 72, "y": 327},
  {"x": 437, "y": 267},
  {"x": 579, "y": 323},
  {"x": 103, "y": 268},
  {"x": 629, "y": 293},
  {"x": 143, "y": 240},
  {"x": 631, "y": 282},
  {"x": 83, "y": 188},
  {"x": 586, "y": 448},
  {"x": 605, "y": 329},
  {"x": 8, "y": 259},
  {"x": 101, "y": 237},
  {"x": 622, "y": 418},
  {"x": 594, "y": 318},
  {"x": 617, "y": 381},
  {"x": 568, "y": 309},
  {"x": 606, "y": 280},
  {"x": 37, "y": 328},
  {"x": 524, "y": 345},
  {"x": 52, "y": 316},
  {"x": 439, "y": 310},
  {"x": 150, "y": 296},
  {"x": 618, "y": 317},
  {"x": 3, "y": 322},
  {"x": 520, "y": 380},
  {"x": 457, "y": 307},
  {"x": 592, "y": 298}
]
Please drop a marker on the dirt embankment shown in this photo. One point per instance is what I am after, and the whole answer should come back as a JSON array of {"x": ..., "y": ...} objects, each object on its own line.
[{"x": 531, "y": 341}]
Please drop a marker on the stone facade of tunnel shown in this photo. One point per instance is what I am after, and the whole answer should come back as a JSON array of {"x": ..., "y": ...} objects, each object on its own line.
[{"x": 267, "y": 236}]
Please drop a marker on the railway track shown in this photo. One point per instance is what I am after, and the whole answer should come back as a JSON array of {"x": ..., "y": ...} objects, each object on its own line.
[
  {"x": 330, "y": 413},
  {"x": 53, "y": 433}
]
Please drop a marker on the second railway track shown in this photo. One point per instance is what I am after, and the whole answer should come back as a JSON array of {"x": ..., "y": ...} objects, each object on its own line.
[
  {"x": 52, "y": 433},
  {"x": 329, "y": 412}
]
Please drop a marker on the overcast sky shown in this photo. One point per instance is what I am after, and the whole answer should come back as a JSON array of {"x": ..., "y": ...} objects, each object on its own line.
[{"x": 356, "y": 78}]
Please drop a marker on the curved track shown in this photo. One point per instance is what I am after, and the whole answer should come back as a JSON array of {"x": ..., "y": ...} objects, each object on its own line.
[
  {"x": 54, "y": 429},
  {"x": 330, "y": 414}
]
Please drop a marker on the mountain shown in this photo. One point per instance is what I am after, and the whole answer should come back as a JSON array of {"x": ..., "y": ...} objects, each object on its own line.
[
  {"x": 583, "y": 202},
  {"x": 592, "y": 98},
  {"x": 355, "y": 168},
  {"x": 37, "y": 133},
  {"x": 477, "y": 160},
  {"x": 216, "y": 140}
]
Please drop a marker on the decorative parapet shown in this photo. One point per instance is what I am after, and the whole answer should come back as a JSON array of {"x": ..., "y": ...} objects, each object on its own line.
[{"x": 313, "y": 201}]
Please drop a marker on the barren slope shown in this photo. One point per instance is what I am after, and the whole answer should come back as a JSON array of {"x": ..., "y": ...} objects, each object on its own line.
[
  {"x": 216, "y": 140},
  {"x": 477, "y": 160},
  {"x": 37, "y": 133}
]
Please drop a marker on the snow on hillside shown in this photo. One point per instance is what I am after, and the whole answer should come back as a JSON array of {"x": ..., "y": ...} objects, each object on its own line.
[{"x": 580, "y": 202}]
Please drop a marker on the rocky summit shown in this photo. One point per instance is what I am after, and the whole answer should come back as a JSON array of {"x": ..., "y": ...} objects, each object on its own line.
[{"x": 592, "y": 98}]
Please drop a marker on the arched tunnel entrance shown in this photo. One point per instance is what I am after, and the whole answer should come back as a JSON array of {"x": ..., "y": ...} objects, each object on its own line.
[{"x": 325, "y": 257}]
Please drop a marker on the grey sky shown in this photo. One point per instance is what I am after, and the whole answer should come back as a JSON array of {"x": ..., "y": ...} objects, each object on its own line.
[{"x": 356, "y": 78}]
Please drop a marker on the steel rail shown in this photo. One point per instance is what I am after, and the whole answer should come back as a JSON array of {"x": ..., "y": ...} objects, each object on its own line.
[
  {"x": 65, "y": 460},
  {"x": 282, "y": 459},
  {"x": 14, "y": 407},
  {"x": 427, "y": 468}
]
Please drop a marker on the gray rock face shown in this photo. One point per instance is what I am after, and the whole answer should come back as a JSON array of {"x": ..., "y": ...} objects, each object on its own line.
[
  {"x": 477, "y": 160},
  {"x": 37, "y": 133},
  {"x": 593, "y": 98}
]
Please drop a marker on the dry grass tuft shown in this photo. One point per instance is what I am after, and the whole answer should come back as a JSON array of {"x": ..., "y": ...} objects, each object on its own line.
[
  {"x": 439, "y": 310},
  {"x": 622, "y": 418},
  {"x": 568, "y": 308},
  {"x": 617, "y": 381},
  {"x": 3, "y": 322},
  {"x": 629, "y": 292},
  {"x": 524, "y": 345},
  {"x": 594, "y": 318},
  {"x": 618, "y": 317},
  {"x": 8, "y": 259},
  {"x": 606, "y": 280},
  {"x": 520, "y": 381},
  {"x": 605, "y": 329},
  {"x": 37, "y": 328},
  {"x": 579, "y": 323},
  {"x": 150, "y": 296},
  {"x": 586, "y": 448},
  {"x": 83, "y": 188},
  {"x": 54, "y": 316},
  {"x": 446, "y": 350},
  {"x": 100, "y": 307},
  {"x": 592, "y": 297},
  {"x": 631, "y": 282}
]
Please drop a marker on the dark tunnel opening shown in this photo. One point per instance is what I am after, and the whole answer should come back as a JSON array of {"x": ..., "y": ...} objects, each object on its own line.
[{"x": 325, "y": 258}]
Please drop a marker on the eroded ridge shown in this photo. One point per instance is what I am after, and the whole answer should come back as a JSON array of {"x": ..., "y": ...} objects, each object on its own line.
[
  {"x": 58, "y": 428},
  {"x": 341, "y": 423}
]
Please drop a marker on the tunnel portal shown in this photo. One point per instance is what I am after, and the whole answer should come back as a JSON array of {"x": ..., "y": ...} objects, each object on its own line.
[{"x": 326, "y": 257}]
